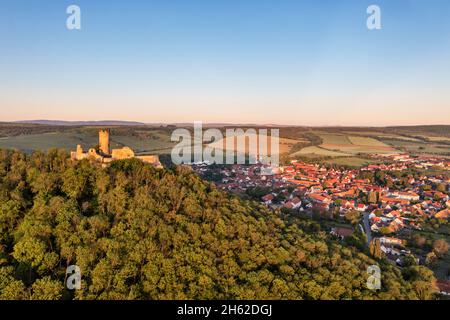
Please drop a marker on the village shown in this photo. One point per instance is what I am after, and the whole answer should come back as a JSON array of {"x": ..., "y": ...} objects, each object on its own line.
[{"x": 388, "y": 202}]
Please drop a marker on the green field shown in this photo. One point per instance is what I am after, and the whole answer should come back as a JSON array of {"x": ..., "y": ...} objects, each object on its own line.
[
  {"x": 157, "y": 142},
  {"x": 318, "y": 151},
  {"x": 420, "y": 147},
  {"x": 45, "y": 141},
  {"x": 334, "y": 139},
  {"x": 353, "y": 144},
  {"x": 365, "y": 141},
  {"x": 350, "y": 161},
  {"x": 377, "y": 135}
]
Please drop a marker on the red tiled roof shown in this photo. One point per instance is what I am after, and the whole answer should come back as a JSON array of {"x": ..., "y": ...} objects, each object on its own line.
[
  {"x": 444, "y": 214},
  {"x": 343, "y": 232},
  {"x": 268, "y": 197},
  {"x": 443, "y": 285}
]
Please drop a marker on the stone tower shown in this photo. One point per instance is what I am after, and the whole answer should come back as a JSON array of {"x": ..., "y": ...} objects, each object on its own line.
[{"x": 103, "y": 140}]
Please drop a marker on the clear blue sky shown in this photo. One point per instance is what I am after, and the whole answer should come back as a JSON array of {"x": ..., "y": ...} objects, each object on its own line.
[{"x": 308, "y": 62}]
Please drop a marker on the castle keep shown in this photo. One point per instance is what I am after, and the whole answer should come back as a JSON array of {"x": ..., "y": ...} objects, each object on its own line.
[
  {"x": 103, "y": 141},
  {"x": 104, "y": 155}
]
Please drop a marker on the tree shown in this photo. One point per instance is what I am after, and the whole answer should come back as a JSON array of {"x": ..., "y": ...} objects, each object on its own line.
[
  {"x": 385, "y": 231},
  {"x": 424, "y": 290},
  {"x": 375, "y": 249},
  {"x": 46, "y": 289},
  {"x": 431, "y": 258},
  {"x": 320, "y": 213},
  {"x": 409, "y": 260},
  {"x": 11, "y": 288},
  {"x": 358, "y": 239},
  {"x": 441, "y": 187},
  {"x": 440, "y": 247},
  {"x": 372, "y": 197},
  {"x": 389, "y": 183},
  {"x": 423, "y": 280},
  {"x": 257, "y": 192},
  {"x": 418, "y": 240},
  {"x": 352, "y": 216}
]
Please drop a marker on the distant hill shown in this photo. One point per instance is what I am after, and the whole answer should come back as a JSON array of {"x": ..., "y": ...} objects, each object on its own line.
[
  {"x": 437, "y": 129},
  {"x": 430, "y": 129},
  {"x": 82, "y": 123}
]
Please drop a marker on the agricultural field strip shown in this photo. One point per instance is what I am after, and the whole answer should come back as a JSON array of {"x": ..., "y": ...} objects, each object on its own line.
[{"x": 349, "y": 144}]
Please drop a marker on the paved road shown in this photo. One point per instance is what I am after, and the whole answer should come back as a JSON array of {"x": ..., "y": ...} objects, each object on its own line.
[{"x": 367, "y": 227}]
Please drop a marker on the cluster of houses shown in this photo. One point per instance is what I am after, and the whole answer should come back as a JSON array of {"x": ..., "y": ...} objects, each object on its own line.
[
  {"x": 405, "y": 161},
  {"x": 304, "y": 187}
]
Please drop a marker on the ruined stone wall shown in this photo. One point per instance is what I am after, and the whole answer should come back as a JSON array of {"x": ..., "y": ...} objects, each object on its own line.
[
  {"x": 152, "y": 159},
  {"x": 124, "y": 153}
]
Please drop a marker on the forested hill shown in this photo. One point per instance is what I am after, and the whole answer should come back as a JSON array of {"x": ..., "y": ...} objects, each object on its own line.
[{"x": 139, "y": 233}]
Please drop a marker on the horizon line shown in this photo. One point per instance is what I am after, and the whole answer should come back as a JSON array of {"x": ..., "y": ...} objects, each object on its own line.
[{"x": 135, "y": 122}]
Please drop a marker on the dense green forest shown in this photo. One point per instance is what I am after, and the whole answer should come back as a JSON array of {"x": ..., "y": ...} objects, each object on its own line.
[{"x": 141, "y": 233}]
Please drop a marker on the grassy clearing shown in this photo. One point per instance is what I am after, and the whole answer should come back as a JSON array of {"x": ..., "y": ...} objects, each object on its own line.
[
  {"x": 45, "y": 141},
  {"x": 334, "y": 139},
  {"x": 365, "y": 141},
  {"x": 152, "y": 143},
  {"x": 350, "y": 161},
  {"x": 369, "y": 150},
  {"x": 375, "y": 134}
]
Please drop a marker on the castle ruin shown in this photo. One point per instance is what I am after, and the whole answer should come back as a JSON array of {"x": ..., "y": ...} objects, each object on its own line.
[{"x": 104, "y": 156}]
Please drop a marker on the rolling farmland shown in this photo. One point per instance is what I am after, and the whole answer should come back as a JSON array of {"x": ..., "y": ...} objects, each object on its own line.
[
  {"x": 344, "y": 145},
  {"x": 349, "y": 146}
]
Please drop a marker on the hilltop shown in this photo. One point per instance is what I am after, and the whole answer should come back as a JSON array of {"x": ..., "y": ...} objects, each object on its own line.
[{"x": 141, "y": 233}]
